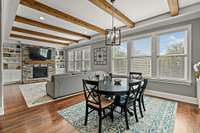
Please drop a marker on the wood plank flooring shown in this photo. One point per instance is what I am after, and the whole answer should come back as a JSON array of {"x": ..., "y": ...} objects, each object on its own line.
[{"x": 45, "y": 119}]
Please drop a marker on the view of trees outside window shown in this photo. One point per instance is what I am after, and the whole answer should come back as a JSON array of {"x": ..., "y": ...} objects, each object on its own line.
[
  {"x": 172, "y": 55},
  {"x": 79, "y": 59},
  {"x": 141, "y": 56},
  {"x": 119, "y": 59}
]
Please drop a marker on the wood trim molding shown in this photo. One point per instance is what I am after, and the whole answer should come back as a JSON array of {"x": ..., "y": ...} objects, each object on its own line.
[
  {"x": 56, "y": 13},
  {"x": 107, "y": 7},
  {"x": 37, "y": 39},
  {"x": 17, "y": 29},
  {"x": 48, "y": 27},
  {"x": 174, "y": 7},
  {"x": 39, "y": 62}
]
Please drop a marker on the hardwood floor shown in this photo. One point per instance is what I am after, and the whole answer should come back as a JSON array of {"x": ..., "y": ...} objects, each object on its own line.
[{"x": 45, "y": 119}]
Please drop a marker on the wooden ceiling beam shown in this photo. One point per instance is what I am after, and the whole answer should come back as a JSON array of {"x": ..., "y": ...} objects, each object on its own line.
[
  {"x": 174, "y": 7},
  {"x": 48, "y": 27},
  {"x": 61, "y": 15},
  {"x": 17, "y": 29},
  {"x": 37, "y": 39},
  {"x": 107, "y": 7}
]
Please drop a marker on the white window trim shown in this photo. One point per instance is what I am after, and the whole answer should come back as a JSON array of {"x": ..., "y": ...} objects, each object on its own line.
[
  {"x": 154, "y": 77},
  {"x": 142, "y": 56},
  {"x": 187, "y": 78}
]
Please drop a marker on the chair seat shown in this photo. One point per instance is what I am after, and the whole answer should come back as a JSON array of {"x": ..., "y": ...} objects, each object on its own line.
[{"x": 105, "y": 102}]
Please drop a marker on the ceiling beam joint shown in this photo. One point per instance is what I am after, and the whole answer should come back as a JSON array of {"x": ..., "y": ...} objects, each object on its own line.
[
  {"x": 173, "y": 7},
  {"x": 107, "y": 7}
]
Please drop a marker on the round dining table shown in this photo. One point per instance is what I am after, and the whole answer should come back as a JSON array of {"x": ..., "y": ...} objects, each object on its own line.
[{"x": 116, "y": 86}]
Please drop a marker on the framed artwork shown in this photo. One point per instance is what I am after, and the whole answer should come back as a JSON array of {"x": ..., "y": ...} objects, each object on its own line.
[{"x": 100, "y": 56}]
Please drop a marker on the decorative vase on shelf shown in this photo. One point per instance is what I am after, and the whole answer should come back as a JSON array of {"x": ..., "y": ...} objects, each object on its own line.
[{"x": 198, "y": 91}]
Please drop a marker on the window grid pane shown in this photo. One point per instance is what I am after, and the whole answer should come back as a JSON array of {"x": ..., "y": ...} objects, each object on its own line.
[
  {"x": 141, "y": 47},
  {"x": 171, "y": 67},
  {"x": 119, "y": 59},
  {"x": 172, "y": 43},
  {"x": 71, "y": 66},
  {"x": 78, "y": 66},
  {"x": 119, "y": 66},
  {"x": 141, "y": 64}
]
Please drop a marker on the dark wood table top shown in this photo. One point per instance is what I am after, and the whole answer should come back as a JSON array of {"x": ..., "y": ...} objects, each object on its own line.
[{"x": 108, "y": 87}]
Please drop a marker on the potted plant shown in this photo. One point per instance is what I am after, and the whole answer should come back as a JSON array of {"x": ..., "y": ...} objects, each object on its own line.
[{"x": 197, "y": 75}]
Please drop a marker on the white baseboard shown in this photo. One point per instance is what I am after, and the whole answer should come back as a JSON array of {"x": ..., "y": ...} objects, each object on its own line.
[{"x": 169, "y": 96}]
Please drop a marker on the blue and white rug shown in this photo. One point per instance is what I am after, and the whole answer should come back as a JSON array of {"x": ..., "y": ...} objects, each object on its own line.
[{"x": 159, "y": 117}]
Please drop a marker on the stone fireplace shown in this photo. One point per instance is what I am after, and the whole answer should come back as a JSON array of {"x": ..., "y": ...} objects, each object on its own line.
[{"x": 34, "y": 70}]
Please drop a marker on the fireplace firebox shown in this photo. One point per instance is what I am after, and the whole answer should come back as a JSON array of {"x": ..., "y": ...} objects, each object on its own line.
[{"x": 40, "y": 72}]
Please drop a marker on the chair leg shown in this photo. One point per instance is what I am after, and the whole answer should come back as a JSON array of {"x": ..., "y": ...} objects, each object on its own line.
[
  {"x": 135, "y": 111},
  {"x": 126, "y": 118},
  {"x": 140, "y": 107},
  {"x": 104, "y": 112},
  {"x": 121, "y": 110},
  {"x": 143, "y": 103},
  {"x": 86, "y": 115},
  {"x": 99, "y": 121},
  {"x": 111, "y": 113}
]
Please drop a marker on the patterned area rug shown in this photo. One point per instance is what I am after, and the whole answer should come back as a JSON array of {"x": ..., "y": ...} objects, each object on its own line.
[
  {"x": 35, "y": 94},
  {"x": 158, "y": 118}
]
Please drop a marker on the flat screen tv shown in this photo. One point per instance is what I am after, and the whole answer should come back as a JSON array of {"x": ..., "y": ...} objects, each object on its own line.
[{"x": 38, "y": 53}]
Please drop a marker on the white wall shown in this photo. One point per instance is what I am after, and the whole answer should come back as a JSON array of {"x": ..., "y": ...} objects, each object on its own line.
[{"x": 8, "y": 12}]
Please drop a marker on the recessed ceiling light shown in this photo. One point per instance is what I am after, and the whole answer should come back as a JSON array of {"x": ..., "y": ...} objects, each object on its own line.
[
  {"x": 41, "y": 18},
  {"x": 85, "y": 32}
]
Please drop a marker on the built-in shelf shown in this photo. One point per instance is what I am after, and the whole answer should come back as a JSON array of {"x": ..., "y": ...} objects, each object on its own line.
[
  {"x": 12, "y": 56},
  {"x": 60, "y": 61},
  {"x": 11, "y": 63}
]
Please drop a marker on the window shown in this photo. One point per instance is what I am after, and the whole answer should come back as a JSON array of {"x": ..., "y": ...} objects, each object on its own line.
[
  {"x": 172, "y": 55},
  {"x": 71, "y": 59},
  {"x": 86, "y": 59},
  {"x": 119, "y": 59},
  {"x": 141, "y": 56},
  {"x": 79, "y": 59},
  {"x": 162, "y": 55}
]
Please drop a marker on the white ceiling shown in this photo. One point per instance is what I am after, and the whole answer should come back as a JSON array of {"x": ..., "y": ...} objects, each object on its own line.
[{"x": 136, "y": 10}]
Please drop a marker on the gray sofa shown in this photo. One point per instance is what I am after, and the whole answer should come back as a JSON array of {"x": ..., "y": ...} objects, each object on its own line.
[{"x": 65, "y": 84}]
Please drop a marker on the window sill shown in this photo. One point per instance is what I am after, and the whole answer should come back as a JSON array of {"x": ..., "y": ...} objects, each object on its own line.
[{"x": 173, "y": 81}]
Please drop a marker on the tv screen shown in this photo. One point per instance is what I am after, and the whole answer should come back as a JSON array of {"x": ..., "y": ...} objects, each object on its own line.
[{"x": 37, "y": 53}]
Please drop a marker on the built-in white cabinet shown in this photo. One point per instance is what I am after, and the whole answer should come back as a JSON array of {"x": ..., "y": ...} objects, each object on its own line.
[{"x": 11, "y": 76}]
